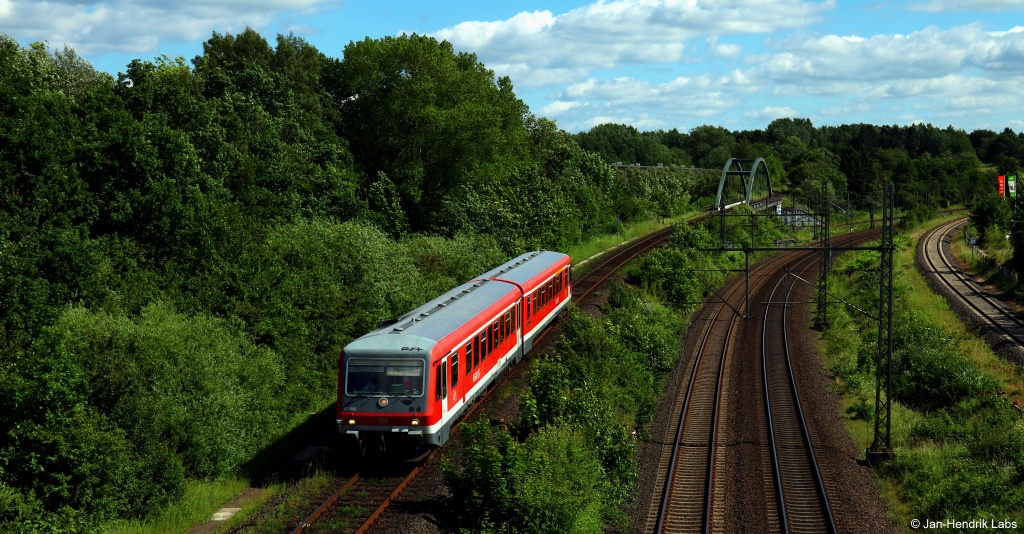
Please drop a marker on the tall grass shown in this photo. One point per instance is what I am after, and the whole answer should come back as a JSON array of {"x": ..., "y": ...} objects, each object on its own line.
[
  {"x": 959, "y": 451},
  {"x": 201, "y": 500}
]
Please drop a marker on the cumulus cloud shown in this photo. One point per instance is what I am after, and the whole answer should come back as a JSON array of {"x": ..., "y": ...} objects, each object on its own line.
[
  {"x": 926, "y": 55},
  {"x": 93, "y": 27},
  {"x": 939, "y": 6},
  {"x": 608, "y": 34},
  {"x": 703, "y": 99},
  {"x": 770, "y": 113}
]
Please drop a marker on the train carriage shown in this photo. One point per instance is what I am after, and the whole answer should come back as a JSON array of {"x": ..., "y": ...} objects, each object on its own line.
[{"x": 411, "y": 379}]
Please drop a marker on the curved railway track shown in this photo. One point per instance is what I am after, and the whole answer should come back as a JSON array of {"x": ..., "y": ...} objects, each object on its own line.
[
  {"x": 692, "y": 498},
  {"x": 986, "y": 309},
  {"x": 374, "y": 495}
]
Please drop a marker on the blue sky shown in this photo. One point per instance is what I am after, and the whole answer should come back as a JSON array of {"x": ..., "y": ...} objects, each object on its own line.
[{"x": 650, "y": 64}]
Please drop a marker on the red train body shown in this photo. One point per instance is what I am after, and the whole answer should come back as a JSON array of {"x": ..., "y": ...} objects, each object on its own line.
[{"x": 411, "y": 379}]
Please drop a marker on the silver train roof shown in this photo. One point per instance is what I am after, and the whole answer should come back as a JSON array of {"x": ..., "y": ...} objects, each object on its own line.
[
  {"x": 433, "y": 321},
  {"x": 524, "y": 268}
]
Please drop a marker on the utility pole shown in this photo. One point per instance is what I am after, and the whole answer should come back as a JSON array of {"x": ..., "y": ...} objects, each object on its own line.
[{"x": 881, "y": 447}]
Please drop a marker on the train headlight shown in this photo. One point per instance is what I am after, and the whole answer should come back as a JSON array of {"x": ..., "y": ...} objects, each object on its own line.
[
  {"x": 382, "y": 402},
  {"x": 351, "y": 421},
  {"x": 415, "y": 422}
]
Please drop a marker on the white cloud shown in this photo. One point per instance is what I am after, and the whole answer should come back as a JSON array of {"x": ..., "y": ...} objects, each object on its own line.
[
  {"x": 939, "y": 6},
  {"x": 703, "y": 99},
  {"x": 558, "y": 107},
  {"x": 608, "y": 34},
  {"x": 770, "y": 113},
  {"x": 93, "y": 27},
  {"x": 832, "y": 64}
]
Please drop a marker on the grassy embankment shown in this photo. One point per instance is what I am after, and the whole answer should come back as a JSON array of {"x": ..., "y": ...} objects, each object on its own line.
[{"x": 954, "y": 430}]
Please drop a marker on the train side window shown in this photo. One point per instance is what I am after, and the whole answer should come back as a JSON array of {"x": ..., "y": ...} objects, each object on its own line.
[
  {"x": 483, "y": 345},
  {"x": 455, "y": 369},
  {"x": 469, "y": 357},
  {"x": 501, "y": 332},
  {"x": 494, "y": 335},
  {"x": 476, "y": 351},
  {"x": 508, "y": 322}
]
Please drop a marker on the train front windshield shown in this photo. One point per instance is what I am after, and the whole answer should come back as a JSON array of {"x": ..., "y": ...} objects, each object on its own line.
[{"x": 384, "y": 377}]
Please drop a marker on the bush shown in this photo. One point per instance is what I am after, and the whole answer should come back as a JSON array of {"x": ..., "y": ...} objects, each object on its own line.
[{"x": 559, "y": 484}]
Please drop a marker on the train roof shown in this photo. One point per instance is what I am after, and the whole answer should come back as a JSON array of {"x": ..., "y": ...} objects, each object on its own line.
[
  {"x": 436, "y": 319},
  {"x": 525, "y": 267}
]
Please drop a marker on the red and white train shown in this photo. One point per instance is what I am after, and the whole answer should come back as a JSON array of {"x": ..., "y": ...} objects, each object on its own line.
[{"x": 411, "y": 379}]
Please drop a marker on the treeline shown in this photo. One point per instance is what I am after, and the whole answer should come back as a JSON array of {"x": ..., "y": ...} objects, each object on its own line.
[
  {"x": 929, "y": 166},
  {"x": 185, "y": 249}
]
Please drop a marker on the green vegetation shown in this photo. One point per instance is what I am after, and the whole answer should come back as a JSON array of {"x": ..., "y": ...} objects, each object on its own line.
[
  {"x": 185, "y": 249},
  {"x": 959, "y": 442},
  {"x": 569, "y": 462}
]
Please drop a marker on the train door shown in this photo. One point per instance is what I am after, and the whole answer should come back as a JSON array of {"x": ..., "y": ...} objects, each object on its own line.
[
  {"x": 453, "y": 395},
  {"x": 441, "y": 386}
]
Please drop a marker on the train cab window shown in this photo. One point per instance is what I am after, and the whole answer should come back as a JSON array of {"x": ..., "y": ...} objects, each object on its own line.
[
  {"x": 469, "y": 356},
  {"x": 385, "y": 377},
  {"x": 455, "y": 369}
]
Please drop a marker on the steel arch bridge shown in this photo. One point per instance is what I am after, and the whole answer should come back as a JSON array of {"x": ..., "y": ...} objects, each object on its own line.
[{"x": 754, "y": 181}]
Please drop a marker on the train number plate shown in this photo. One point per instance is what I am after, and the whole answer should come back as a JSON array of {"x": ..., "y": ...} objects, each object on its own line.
[{"x": 382, "y": 420}]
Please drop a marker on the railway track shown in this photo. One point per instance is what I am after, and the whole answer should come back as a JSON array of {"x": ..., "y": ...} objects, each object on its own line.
[
  {"x": 686, "y": 502},
  {"x": 694, "y": 497},
  {"x": 364, "y": 499},
  {"x": 800, "y": 492},
  {"x": 985, "y": 309},
  {"x": 605, "y": 265}
]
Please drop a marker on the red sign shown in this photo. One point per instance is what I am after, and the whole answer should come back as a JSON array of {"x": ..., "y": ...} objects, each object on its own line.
[{"x": 1002, "y": 185}]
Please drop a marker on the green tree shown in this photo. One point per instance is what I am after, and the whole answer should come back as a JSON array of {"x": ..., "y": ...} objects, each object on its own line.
[{"x": 430, "y": 119}]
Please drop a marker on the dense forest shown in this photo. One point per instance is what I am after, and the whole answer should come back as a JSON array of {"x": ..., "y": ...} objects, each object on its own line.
[{"x": 185, "y": 249}]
